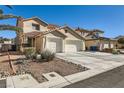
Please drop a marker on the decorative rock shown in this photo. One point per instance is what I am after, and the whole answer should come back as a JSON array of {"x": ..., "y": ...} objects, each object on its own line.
[
  {"x": 38, "y": 56},
  {"x": 23, "y": 72}
]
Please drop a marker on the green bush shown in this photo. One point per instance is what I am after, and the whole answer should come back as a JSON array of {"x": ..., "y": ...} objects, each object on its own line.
[
  {"x": 47, "y": 55},
  {"x": 115, "y": 51},
  {"x": 29, "y": 53}
]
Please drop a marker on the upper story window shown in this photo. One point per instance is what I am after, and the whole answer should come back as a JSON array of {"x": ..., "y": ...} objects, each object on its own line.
[
  {"x": 35, "y": 26},
  {"x": 97, "y": 34},
  {"x": 93, "y": 37},
  {"x": 66, "y": 31}
]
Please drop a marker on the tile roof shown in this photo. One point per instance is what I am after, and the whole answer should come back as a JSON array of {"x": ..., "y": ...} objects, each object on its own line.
[
  {"x": 97, "y": 30},
  {"x": 37, "y": 19},
  {"x": 74, "y": 31},
  {"x": 52, "y": 26},
  {"x": 32, "y": 34},
  {"x": 120, "y": 36},
  {"x": 82, "y": 30},
  {"x": 102, "y": 38},
  {"x": 88, "y": 31}
]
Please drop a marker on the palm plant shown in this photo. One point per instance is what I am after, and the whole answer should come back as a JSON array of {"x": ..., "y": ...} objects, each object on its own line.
[
  {"x": 9, "y": 6},
  {"x": 8, "y": 27},
  {"x": 9, "y": 16}
]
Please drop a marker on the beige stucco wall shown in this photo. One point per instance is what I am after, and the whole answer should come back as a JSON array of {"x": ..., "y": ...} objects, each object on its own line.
[
  {"x": 55, "y": 34},
  {"x": 27, "y": 26},
  {"x": 71, "y": 36},
  {"x": 120, "y": 45},
  {"x": 39, "y": 44},
  {"x": 91, "y": 43}
]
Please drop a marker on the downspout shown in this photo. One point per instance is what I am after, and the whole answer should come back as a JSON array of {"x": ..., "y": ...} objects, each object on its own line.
[
  {"x": 101, "y": 45},
  {"x": 109, "y": 43},
  {"x": 83, "y": 44},
  {"x": 44, "y": 45},
  {"x": 63, "y": 45}
]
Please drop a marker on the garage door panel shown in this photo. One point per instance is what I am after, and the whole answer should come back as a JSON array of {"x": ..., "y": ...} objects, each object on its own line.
[
  {"x": 70, "y": 48},
  {"x": 73, "y": 46},
  {"x": 54, "y": 44}
]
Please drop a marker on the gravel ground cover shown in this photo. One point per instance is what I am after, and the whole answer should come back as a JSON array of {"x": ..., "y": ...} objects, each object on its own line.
[{"x": 36, "y": 69}]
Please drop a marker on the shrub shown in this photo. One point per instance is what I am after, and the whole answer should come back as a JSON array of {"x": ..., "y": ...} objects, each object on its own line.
[
  {"x": 115, "y": 51},
  {"x": 20, "y": 61},
  {"x": 29, "y": 53},
  {"x": 47, "y": 55}
]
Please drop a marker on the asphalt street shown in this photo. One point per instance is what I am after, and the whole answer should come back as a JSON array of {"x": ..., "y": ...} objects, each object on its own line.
[{"x": 111, "y": 79}]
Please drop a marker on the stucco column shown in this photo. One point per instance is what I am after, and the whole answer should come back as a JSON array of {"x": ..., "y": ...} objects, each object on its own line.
[
  {"x": 83, "y": 45},
  {"x": 44, "y": 43},
  {"x": 63, "y": 45}
]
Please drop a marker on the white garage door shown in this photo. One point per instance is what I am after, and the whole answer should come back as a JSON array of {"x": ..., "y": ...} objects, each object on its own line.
[
  {"x": 54, "y": 44},
  {"x": 73, "y": 46}
]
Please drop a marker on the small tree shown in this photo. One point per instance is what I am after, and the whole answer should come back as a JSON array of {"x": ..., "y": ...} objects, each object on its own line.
[{"x": 29, "y": 53}]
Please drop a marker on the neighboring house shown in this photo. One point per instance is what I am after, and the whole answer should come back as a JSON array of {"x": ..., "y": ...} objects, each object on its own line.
[
  {"x": 95, "y": 40},
  {"x": 120, "y": 36},
  {"x": 7, "y": 45},
  {"x": 41, "y": 35},
  {"x": 120, "y": 46},
  {"x": 89, "y": 34},
  {"x": 7, "y": 42}
]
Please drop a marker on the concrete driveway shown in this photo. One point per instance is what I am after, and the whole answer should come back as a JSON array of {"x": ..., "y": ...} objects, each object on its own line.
[
  {"x": 105, "y": 70},
  {"x": 94, "y": 60}
]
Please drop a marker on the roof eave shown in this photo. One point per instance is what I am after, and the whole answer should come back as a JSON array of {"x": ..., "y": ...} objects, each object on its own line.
[
  {"x": 74, "y": 31},
  {"x": 34, "y": 18}
]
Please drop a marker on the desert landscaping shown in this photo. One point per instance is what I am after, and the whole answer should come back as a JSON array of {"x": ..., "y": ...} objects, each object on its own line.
[{"x": 37, "y": 68}]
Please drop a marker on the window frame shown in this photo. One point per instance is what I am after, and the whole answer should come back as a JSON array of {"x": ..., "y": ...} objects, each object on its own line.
[{"x": 35, "y": 26}]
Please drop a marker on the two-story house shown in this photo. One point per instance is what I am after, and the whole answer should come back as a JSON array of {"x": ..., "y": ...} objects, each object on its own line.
[
  {"x": 95, "y": 39},
  {"x": 40, "y": 35}
]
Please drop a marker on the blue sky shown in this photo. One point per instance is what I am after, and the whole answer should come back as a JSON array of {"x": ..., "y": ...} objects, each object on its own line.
[{"x": 107, "y": 18}]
